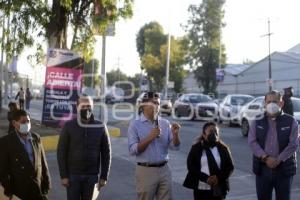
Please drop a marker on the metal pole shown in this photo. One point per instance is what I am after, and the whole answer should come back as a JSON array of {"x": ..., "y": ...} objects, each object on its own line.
[
  {"x": 93, "y": 68},
  {"x": 168, "y": 65},
  {"x": 6, "y": 64},
  {"x": 220, "y": 55},
  {"x": 1, "y": 64},
  {"x": 103, "y": 74},
  {"x": 270, "y": 67}
]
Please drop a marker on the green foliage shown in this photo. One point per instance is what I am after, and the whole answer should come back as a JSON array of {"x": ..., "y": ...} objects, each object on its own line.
[
  {"x": 88, "y": 70},
  {"x": 115, "y": 75},
  {"x": 151, "y": 45},
  {"x": 204, "y": 32},
  {"x": 34, "y": 21}
]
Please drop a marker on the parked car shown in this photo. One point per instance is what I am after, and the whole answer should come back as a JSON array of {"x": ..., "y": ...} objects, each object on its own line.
[
  {"x": 195, "y": 106},
  {"x": 230, "y": 107},
  {"x": 165, "y": 103},
  {"x": 256, "y": 108}
]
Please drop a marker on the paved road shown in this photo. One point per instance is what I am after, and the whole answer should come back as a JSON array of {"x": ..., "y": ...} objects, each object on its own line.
[{"x": 121, "y": 185}]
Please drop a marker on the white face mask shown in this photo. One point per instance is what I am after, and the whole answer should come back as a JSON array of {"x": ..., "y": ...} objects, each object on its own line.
[
  {"x": 25, "y": 128},
  {"x": 273, "y": 108}
]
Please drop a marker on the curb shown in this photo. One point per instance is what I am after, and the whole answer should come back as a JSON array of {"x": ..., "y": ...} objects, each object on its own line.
[{"x": 50, "y": 142}]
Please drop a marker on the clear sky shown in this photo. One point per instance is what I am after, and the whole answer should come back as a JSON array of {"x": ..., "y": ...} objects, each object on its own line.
[{"x": 246, "y": 21}]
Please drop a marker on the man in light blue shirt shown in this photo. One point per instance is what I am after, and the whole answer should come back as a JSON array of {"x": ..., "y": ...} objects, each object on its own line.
[{"x": 149, "y": 138}]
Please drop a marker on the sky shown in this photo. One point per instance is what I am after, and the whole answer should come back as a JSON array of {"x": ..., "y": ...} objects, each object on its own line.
[{"x": 246, "y": 22}]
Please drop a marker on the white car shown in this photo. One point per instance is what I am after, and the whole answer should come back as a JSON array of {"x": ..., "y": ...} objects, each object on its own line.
[
  {"x": 255, "y": 108},
  {"x": 230, "y": 107}
]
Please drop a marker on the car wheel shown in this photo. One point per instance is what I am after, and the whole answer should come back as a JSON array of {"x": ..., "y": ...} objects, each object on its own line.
[
  {"x": 219, "y": 119},
  {"x": 177, "y": 113},
  {"x": 245, "y": 127}
]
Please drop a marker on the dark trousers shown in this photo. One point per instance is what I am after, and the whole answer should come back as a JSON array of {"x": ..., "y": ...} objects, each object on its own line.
[
  {"x": 21, "y": 104},
  {"x": 204, "y": 195},
  {"x": 27, "y": 102},
  {"x": 270, "y": 179},
  {"x": 81, "y": 187}
]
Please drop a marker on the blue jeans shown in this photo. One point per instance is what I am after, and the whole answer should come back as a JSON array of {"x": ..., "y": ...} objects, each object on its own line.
[
  {"x": 81, "y": 187},
  {"x": 270, "y": 179}
]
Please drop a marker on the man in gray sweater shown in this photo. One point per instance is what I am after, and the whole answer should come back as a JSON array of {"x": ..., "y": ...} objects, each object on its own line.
[{"x": 83, "y": 149}]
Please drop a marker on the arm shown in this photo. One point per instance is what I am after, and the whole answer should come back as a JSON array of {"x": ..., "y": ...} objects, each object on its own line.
[
  {"x": 105, "y": 155},
  {"x": 293, "y": 144},
  {"x": 192, "y": 165},
  {"x": 5, "y": 169},
  {"x": 137, "y": 146},
  {"x": 17, "y": 95},
  {"x": 229, "y": 167},
  {"x": 252, "y": 141},
  {"x": 62, "y": 152},
  {"x": 46, "y": 183}
]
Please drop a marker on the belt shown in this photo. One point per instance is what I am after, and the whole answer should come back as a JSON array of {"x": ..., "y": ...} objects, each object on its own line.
[{"x": 152, "y": 164}]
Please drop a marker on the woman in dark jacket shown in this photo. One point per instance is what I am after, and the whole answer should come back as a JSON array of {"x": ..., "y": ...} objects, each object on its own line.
[{"x": 209, "y": 166}]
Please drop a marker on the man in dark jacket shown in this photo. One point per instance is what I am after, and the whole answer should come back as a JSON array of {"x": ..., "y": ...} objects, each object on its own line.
[
  {"x": 288, "y": 107},
  {"x": 83, "y": 149},
  {"x": 273, "y": 139},
  {"x": 23, "y": 166}
]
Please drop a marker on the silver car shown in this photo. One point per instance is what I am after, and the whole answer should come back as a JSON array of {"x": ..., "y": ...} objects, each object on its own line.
[{"x": 230, "y": 107}]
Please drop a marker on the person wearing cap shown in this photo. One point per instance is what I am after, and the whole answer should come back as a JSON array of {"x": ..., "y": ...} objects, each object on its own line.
[
  {"x": 23, "y": 166},
  {"x": 288, "y": 104},
  {"x": 273, "y": 139},
  {"x": 149, "y": 138}
]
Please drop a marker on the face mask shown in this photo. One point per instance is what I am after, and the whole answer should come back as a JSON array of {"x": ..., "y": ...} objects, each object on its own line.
[
  {"x": 272, "y": 108},
  {"x": 25, "y": 128},
  {"x": 212, "y": 139},
  {"x": 85, "y": 114}
]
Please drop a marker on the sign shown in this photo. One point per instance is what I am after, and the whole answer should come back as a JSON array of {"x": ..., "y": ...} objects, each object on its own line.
[
  {"x": 62, "y": 86},
  {"x": 220, "y": 73},
  {"x": 171, "y": 84}
]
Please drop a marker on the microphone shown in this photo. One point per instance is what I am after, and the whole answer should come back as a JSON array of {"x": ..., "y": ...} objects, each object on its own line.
[{"x": 156, "y": 123}]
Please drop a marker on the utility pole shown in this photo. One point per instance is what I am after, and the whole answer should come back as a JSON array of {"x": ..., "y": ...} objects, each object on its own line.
[
  {"x": 270, "y": 65},
  {"x": 168, "y": 66},
  {"x": 2, "y": 57},
  {"x": 103, "y": 75}
]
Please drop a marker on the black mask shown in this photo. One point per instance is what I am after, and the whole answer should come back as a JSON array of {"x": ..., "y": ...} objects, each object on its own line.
[
  {"x": 212, "y": 139},
  {"x": 85, "y": 114}
]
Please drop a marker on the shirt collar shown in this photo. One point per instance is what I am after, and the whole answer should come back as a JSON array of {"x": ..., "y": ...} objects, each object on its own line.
[
  {"x": 28, "y": 138},
  {"x": 144, "y": 119}
]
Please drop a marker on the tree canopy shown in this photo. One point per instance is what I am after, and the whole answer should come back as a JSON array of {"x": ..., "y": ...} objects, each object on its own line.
[
  {"x": 204, "y": 35},
  {"x": 151, "y": 42},
  {"x": 58, "y": 21}
]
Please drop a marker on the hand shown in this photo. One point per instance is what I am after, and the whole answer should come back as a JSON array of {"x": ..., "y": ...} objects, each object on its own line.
[
  {"x": 101, "y": 184},
  {"x": 175, "y": 128},
  {"x": 212, "y": 181},
  {"x": 272, "y": 162},
  {"x": 155, "y": 133},
  {"x": 65, "y": 182}
]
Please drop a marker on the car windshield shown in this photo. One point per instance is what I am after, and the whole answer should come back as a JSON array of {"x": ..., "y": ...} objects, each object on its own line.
[
  {"x": 241, "y": 100},
  {"x": 199, "y": 98},
  {"x": 296, "y": 105}
]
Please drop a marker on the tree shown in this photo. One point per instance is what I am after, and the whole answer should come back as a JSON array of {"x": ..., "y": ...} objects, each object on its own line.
[
  {"x": 89, "y": 69},
  {"x": 204, "y": 32},
  {"x": 115, "y": 75},
  {"x": 151, "y": 45},
  {"x": 59, "y": 19},
  {"x": 149, "y": 39}
]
